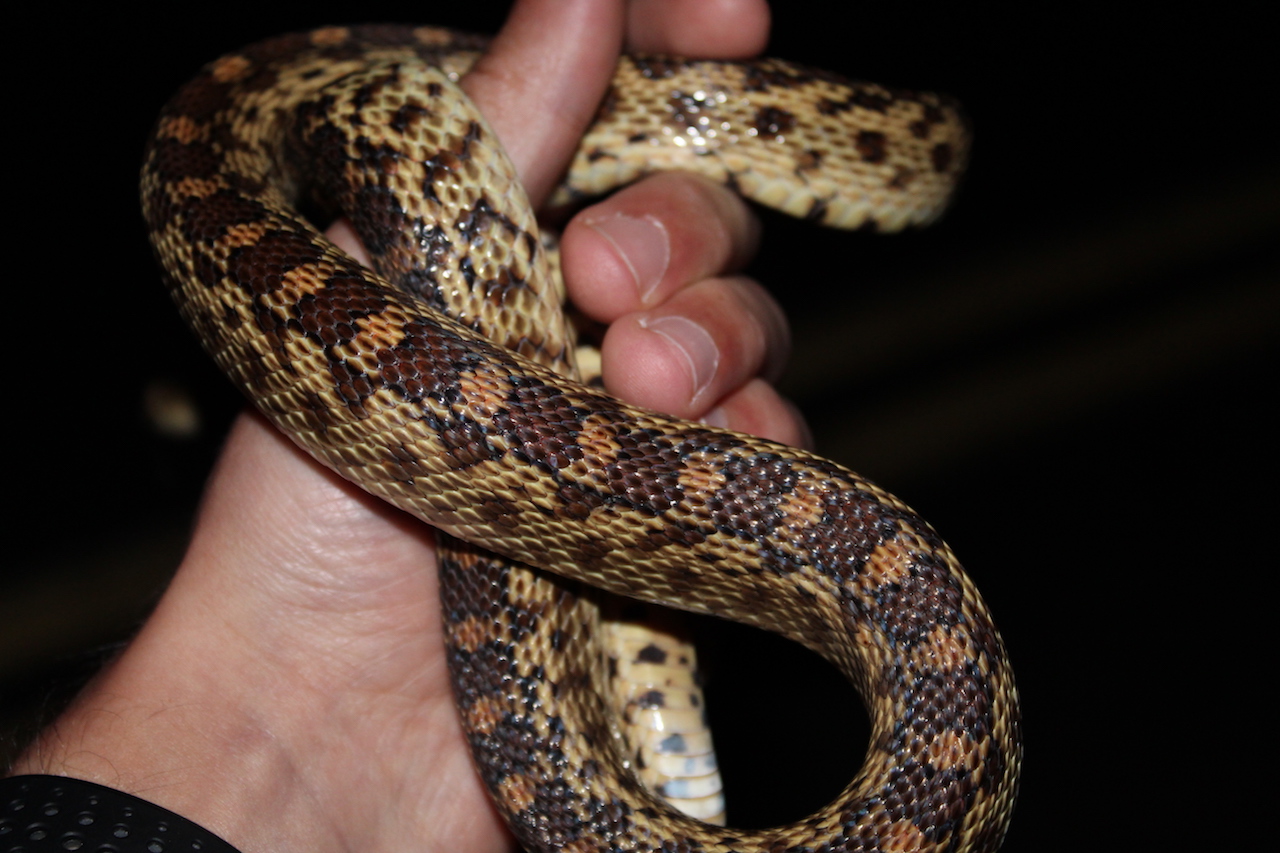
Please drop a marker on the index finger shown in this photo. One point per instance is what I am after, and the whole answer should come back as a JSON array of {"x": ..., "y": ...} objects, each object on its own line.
[
  {"x": 539, "y": 84},
  {"x": 709, "y": 29},
  {"x": 541, "y": 81}
]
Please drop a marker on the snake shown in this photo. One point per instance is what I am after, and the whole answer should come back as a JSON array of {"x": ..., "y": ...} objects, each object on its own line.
[{"x": 443, "y": 381}]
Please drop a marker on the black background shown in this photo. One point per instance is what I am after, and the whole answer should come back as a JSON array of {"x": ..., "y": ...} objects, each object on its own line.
[{"x": 1071, "y": 376}]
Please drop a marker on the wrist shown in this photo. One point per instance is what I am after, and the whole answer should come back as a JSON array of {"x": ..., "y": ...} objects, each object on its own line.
[
  {"x": 289, "y": 691},
  {"x": 152, "y": 725}
]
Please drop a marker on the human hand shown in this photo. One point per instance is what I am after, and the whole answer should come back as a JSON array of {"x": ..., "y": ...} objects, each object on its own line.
[{"x": 290, "y": 690}]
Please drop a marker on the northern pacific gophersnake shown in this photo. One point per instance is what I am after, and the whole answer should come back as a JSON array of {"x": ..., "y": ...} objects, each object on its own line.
[{"x": 469, "y": 424}]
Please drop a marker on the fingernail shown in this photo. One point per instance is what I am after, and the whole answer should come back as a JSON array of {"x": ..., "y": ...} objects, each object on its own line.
[
  {"x": 696, "y": 345},
  {"x": 642, "y": 243}
]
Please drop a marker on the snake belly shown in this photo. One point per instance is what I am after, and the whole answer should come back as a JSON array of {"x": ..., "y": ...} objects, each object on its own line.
[{"x": 437, "y": 385}]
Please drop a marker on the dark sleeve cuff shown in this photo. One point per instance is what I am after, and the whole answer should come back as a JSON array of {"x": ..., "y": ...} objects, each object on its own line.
[{"x": 54, "y": 813}]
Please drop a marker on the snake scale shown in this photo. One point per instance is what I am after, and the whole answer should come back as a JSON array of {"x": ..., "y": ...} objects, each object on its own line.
[{"x": 439, "y": 385}]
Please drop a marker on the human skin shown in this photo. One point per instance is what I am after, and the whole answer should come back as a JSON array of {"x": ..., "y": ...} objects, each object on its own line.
[{"x": 289, "y": 692}]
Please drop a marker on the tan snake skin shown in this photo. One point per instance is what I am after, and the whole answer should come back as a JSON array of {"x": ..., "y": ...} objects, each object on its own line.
[{"x": 491, "y": 444}]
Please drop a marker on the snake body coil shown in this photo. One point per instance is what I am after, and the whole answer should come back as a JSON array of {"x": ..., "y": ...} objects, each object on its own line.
[{"x": 466, "y": 421}]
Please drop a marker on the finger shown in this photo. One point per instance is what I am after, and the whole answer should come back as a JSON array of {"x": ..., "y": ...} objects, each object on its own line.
[
  {"x": 756, "y": 408},
  {"x": 721, "y": 29},
  {"x": 539, "y": 84},
  {"x": 638, "y": 247},
  {"x": 538, "y": 87},
  {"x": 346, "y": 239},
  {"x": 707, "y": 340}
]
